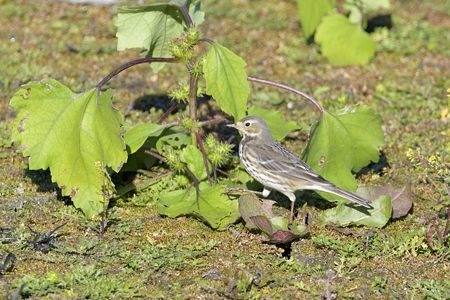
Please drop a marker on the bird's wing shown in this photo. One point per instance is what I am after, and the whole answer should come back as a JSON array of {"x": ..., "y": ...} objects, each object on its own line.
[{"x": 276, "y": 159}]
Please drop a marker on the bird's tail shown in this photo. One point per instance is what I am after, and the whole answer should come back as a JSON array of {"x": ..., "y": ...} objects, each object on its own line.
[{"x": 347, "y": 195}]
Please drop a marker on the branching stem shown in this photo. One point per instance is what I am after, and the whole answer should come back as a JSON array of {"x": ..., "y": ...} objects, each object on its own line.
[
  {"x": 185, "y": 11},
  {"x": 289, "y": 88},
  {"x": 132, "y": 63}
]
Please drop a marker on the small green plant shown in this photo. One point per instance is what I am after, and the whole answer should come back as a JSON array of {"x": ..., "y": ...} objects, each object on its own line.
[
  {"x": 342, "y": 39},
  {"x": 82, "y": 140}
]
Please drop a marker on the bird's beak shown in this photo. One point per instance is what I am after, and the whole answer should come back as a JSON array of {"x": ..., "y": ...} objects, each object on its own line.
[{"x": 232, "y": 125}]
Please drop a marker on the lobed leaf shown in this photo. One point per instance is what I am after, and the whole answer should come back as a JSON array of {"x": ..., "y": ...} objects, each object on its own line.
[
  {"x": 311, "y": 13},
  {"x": 343, "y": 42},
  {"x": 77, "y": 136},
  {"x": 226, "y": 80},
  {"x": 279, "y": 127},
  {"x": 213, "y": 206},
  {"x": 344, "y": 142}
]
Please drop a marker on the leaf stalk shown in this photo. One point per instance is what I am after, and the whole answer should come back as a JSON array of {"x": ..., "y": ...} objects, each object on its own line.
[
  {"x": 289, "y": 88},
  {"x": 130, "y": 64}
]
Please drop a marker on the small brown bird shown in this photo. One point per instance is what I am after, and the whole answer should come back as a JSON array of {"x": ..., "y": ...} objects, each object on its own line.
[{"x": 276, "y": 168}]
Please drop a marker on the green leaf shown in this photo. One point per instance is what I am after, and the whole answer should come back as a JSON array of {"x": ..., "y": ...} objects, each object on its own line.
[
  {"x": 226, "y": 80},
  {"x": 173, "y": 138},
  {"x": 77, "y": 136},
  {"x": 344, "y": 142},
  {"x": 363, "y": 125},
  {"x": 311, "y": 13},
  {"x": 343, "y": 42},
  {"x": 344, "y": 215},
  {"x": 136, "y": 136},
  {"x": 149, "y": 27},
  {"x": 153, "y": 27},
  {"x": 275, "y": 120},
  {"x": 213, "y": 207},
  {"x": 194, "y": 160}
]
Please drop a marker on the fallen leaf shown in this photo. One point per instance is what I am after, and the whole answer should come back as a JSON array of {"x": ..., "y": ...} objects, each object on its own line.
[
  {"x": 282, "y": 237},
  {"x": 401, "y": 197},
  {"x": 263, "y": 223},
  {"x": 251, "y": 206}
]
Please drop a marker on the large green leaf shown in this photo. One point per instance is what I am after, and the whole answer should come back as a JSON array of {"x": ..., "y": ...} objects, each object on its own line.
[
  {"x": 377, "y": 217},
  {"x": 226, "y": 80},
  {"x": 153, "y": 27},
  {"x": 194, "y": 160},
  {"x": 213, "y": 206},
  {"x": 77, "y": 136},
  {"x": 136, "y": 136},
  {"x": 311, "y": 13},
  {"x": 343, "y": 42},
  {"x": 149, "y": 27},
  {"x": 344, "y": 142},
  {"x": 279, "y": 127}
]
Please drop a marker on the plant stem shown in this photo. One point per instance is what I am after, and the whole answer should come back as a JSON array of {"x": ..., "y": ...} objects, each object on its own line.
[
  {"x": 289, "y": 88},
  {"x": 185, "y": 11},
  {"x": 167, "y": 113},
  {"x": 205, "y": 159},
  {"x": 213, "y": 121},
  {"x": 193, "y": 82},
  {"x": 129, "y": 64},
  {"x": 155, "y": 154},
  {"x": 196, "y": 183}
]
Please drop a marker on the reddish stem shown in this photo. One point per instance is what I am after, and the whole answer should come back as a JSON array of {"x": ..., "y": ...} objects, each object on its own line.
[
  {"x": 129, "y": 64},
  {"x": 205, "y": 158},
  {"x": 289, "y": 88},
  {"x": 167, "y": 113}
]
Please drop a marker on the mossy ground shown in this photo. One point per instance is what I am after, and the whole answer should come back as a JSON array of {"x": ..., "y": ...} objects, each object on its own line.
[{"x": 142, "y": 254}]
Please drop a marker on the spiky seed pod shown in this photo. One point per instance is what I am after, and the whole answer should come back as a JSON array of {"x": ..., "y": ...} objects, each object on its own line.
[
  {"x": 173, "y": 160},
  {"x": 180, "y": 93}
]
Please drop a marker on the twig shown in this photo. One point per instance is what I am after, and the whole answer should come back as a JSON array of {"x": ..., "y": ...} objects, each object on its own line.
[
  {"x": 241, "y": 191},
  {"x": 167, "y": 113},
  {"x": 289, "y": 88},
  {"x": 155, "y": 154},
  {"x": 185, "y": 11},
  {"x": 223, "y": 172},
  {"x": 212, "y": 121},
  {"x": 205, "y": 158},
  {"x": 206, "y": 40},
  {"x": 129, "y": 64}
]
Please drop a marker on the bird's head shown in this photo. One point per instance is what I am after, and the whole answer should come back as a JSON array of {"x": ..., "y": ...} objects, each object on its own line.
[{"x": 253, "y": 127}]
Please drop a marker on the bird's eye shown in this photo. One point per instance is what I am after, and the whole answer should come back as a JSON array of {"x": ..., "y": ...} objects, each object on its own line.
[{"x": 247, "y": 124}]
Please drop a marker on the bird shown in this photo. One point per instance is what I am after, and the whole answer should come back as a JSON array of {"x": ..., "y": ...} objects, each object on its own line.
[{"x": 276, "y": 168}]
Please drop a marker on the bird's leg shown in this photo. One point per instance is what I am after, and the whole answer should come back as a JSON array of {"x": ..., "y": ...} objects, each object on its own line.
[
  {"x": 291, "y": 197},
  {"x": 266, "y": 192},
  {"x": 291, "y": 218}
]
